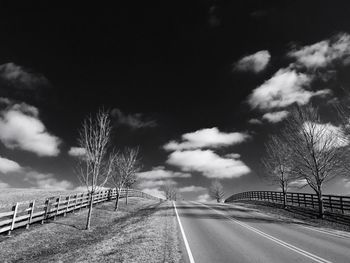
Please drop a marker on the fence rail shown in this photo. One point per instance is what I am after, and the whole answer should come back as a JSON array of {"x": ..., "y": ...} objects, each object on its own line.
[
  {"x": 26, "y": 213},
  {"x": 337, "y": 205}
]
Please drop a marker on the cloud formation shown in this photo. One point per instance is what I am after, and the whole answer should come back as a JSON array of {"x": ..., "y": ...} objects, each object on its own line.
[
  {"x": 134, "y": 121},
  {"x": 276, "y": 116},
  {"x": 47, "y": 181},
  {"x": 20, "y": 77},
  {"x": 285, "y": 87},
  {"x": 21, "y": 128},
  {"x": 323, "y": 53},
  {"x": 255, "y": 121},
  {"x": 155, "y": 183},
  {"x": 77, "y": 152},
  {"x": 160, "y": 172},
  {"x": 191, "y": 188},
  {"x": 8, "y": 166},
  {"x": 255, "y": 63},
  {"x": 206, "y": 138},
  {"x": 208, "y": 163}
]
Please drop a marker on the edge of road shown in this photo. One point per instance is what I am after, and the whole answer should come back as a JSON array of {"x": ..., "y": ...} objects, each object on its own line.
[{"x": 187, "y": 246}]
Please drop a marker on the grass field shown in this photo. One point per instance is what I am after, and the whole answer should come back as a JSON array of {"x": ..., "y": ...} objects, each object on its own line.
[
  {"x": 143, "y": 231},
  {"x": 9, "y": 196}
]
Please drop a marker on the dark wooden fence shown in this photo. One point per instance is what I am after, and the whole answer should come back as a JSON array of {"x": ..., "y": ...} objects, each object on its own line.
[
  {"x": 25, "y": 213},
  {"x": 336, "y": 206}
]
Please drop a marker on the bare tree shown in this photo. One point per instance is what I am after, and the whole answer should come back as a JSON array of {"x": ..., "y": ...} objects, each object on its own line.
[
  {"x": 170, "y": 191},
  {"x": 216, "y": 191},
  {"x": 124, "y": 171},
  {"x": 278, "y": 163},
  {"x": 96, "y": 166},
  {"x": 318, "y": 155}
]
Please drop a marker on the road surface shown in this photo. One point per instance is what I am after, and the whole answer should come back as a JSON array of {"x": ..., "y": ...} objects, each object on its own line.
[{"x": 231, "y": 233}]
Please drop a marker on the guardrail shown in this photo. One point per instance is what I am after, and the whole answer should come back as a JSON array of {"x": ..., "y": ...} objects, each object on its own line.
[
  {"x": 27, "y": 213},
  {"x": 336, "y": 205}
]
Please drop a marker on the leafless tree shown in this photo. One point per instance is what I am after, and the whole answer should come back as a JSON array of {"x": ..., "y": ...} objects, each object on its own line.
[
  {"x": 278, "y": 163},
  {"x": 170, "y": 191},
  {"x": 96, "y": 166},
  {"x": 125, "y": 171},
  {"x": 216, "y": 191},
  {"x": 318, "y": 155}
]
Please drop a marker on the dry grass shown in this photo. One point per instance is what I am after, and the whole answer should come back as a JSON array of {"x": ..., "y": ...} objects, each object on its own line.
[
  {"x": 143, "y": 231},
  {"x": 9, "y": 196}
]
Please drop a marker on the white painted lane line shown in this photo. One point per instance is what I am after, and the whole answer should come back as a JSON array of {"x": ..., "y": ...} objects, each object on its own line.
[
  {"x": 189, "y": 253},
  {"x": 341, "y": 235},
  {"x": 274, "y": 239}
]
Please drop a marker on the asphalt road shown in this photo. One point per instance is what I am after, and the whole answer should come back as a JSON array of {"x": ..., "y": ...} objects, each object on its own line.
[{"x": 230, "y": 233}]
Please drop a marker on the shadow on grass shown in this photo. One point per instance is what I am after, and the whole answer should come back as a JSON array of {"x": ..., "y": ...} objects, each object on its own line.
[{"x": 66, "y": 224}]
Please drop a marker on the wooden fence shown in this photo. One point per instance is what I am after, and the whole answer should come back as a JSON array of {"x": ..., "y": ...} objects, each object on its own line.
[
  {"x": 336, "y": 205},
  {"x": 25, "y": 213}
]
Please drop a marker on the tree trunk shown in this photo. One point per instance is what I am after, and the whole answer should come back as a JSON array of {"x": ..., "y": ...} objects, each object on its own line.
[
  {"x": 320, "y": 203},
  {"x": 90, "y": 212},
  {"x": 126, "y": 197},
  {"x": 117, "y": 201}
]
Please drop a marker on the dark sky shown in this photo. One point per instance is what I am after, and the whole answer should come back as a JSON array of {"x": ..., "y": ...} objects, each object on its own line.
[{"x": 168, "y": 68}]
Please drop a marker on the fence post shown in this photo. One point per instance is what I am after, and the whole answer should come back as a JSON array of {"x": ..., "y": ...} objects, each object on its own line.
[
  {"x": 31, "y": 205},
  {"x": 298, "y": 199},
  {"x": 292, "y": 199},
  {"x": 58, "y": 207},
  {"x": 305, "y": 200},
  {"x": 14, "y": 209},
  {"x": 312, "y": 201},
  {"x": 75, "y": 202},
  {"x": 330, "y": 202},
  {"x": 65, "y": 212},
  {"x": 109, "y": 195},
  {"x": 46, "y": 210},
  {"x": 341, "y": 205}
]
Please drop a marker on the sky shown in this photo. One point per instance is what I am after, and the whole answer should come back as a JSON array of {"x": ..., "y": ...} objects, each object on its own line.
[{"x": 197, "y": 85}]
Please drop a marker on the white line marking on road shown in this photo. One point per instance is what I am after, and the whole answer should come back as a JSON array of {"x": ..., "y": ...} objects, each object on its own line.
[
  {"x": 274, "y": 239},
  {"x": 184, "y": 236},
  {"x": 341, "y": 235}
]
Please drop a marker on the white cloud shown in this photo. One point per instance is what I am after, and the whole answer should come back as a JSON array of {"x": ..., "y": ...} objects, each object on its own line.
[
  {"x": 255, "y": 121},
  {"x": 298, "y": 183},
  {"x": 7, "y": 166},
  {"x": 77, "y": 151},
  {"x": 203, "y": 198},
  {"x": 210, "y": 137},
  {"x": 134, "y": 121},
  {"x": 283, "y": 89},
  {"x": 155, "y": 192},
  {"x": 323, "y": 53},
  {"x": 209, "y": 163},
  {"x": 22, "y": 78},
  {"x": 233, "y": 155},
  {"x": 47, "y": 181},
  {"x": 276, "y": 116},
  {"x": 21, "y": 128},
  {"x": 160, "y": 172},
  {"x": 191, "y": 188},
  {"x": 155, "y": 183},
  {"x": 255, "y": 62}
]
